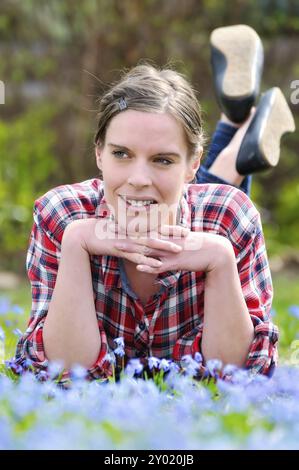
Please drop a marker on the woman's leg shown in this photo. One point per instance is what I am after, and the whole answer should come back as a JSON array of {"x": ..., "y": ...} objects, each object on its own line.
[
  {"x": 237, "y": 57},
  {"x": 219, "y": 164}
]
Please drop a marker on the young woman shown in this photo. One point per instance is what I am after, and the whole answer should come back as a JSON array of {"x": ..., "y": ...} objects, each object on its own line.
[{"x": 146, "y": 254}]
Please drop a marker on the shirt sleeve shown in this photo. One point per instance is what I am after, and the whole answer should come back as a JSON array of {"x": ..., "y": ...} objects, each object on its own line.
[
  {"x": 42, "y": 266},
  {"x": 256, "y": 283}
]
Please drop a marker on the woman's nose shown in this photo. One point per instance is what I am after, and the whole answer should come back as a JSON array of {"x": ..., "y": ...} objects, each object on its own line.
[{"x": 140, "y": 176}]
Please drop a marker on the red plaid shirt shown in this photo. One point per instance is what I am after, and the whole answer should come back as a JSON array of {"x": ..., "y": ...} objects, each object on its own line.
[{"x": 172, "y": 322}]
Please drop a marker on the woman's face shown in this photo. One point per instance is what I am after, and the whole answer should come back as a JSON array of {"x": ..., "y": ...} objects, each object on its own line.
[{"x": 144, "y": 158}]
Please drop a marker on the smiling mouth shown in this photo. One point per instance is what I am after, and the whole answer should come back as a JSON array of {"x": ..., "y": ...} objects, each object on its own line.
[{"x": 138, "y": 203}]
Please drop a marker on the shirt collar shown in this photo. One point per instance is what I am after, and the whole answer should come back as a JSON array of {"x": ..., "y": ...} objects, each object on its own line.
[
  {"x": 102, "y": 209},
  {"x": 184, "y": 211}
]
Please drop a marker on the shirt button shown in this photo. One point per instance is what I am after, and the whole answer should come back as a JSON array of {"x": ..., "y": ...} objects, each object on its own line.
[{"x": 142, "y": 325}]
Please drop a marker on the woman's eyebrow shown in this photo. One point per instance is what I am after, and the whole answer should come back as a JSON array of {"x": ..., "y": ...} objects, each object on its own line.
[
  {"x": 163, "y": 154},
  {"x": 119, "y": 146}
]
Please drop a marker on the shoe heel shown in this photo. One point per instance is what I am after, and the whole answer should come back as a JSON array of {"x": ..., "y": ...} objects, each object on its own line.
[
  {"x": 237, "y": 61},
  {"x": 280, "y": 121},
  {"x": 260, "y": 148}
]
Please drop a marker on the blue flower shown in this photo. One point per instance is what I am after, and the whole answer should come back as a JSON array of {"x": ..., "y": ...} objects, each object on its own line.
[
  {"x": 119, "y": 351},
  {"x": 2, "y": 334},
  {"x": 294, "y": 311},
  {"x": 120, "y": 342},
  {"x": 4, "y": 305},
  {"x": 229, "y": 369},
  {"x": 110, "y": 357},
  {"x": 190, "y": 365},
  {"x": 55, "y": 368},
  {"x": 133, "y": 367},
  {"x": 27, "y": 363},
  {"x": 153, "y": 362},
  {"x": 17, "y": 332},
  {"x": 187, "y": 358},
  {"x": 198, "y": 357},
  {"x": 17, "y": 309},
  {"x": 165, "y": 365},
  {"x": 78, "y": 372},
  {"x": 14, "y": 366},
  {"x": 42, "y": 376},
  {"x": 174, "y": 368},
  {"x": 214, "y": 367}
]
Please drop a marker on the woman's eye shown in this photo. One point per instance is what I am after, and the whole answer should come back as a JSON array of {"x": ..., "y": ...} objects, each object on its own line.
[
  {"x": 118, "y": 153},
  {"x": 121, "y": 154},
  {"x": 168, "y": 162}
]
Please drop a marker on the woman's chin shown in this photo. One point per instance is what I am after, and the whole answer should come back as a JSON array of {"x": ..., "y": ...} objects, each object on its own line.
[
  {"x": 142, "y": 230},
  {"x": 142, "y": 225}
]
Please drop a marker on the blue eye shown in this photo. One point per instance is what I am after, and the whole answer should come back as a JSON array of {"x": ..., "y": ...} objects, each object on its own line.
[
  {"x": 118, "y": 153},
  {"x": 169, "y": 162},
  {"x": 121, "y": 153}
]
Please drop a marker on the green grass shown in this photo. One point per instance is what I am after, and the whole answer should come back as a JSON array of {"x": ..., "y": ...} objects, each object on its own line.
[
  {"x": 286, "y": 293},
  {"x": 21, "y": 297}
]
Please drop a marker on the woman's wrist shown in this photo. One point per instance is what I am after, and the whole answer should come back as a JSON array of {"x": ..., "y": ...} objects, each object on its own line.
[
  {"x": 75, "y": 233},
  {"x": 222, "y": 256}
]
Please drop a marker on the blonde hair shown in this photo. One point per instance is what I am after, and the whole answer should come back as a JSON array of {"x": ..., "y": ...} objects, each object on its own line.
[{"x": 149, "y": 89}]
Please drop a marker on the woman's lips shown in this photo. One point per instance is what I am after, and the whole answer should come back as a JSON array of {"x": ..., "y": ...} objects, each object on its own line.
[{"x": 146, "y": 208}]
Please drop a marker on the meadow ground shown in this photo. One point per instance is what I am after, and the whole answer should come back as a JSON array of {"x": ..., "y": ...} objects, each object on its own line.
[{"x": 170, "y": 412}]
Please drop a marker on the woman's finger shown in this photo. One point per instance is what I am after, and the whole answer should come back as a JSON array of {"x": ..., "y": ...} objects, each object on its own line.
[
  {"x": 138, "y": 258},
  {"x": 144, "y": 244},
  {"x": 174, "y": 231},
  {"x": 144, "y": 250},
  {"x": 147, "y": 269}
]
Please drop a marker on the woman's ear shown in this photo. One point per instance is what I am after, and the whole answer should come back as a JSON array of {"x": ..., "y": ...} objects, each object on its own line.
[
  {"x": 194, "y": 165},
  {"x": 98, "y": 152}
]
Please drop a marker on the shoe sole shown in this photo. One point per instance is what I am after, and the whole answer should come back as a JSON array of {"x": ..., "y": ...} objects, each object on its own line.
[
  {"x": 241, "y": 47},
  {"x": 260, "y": 148},
  {"x": 280, "y": 121}
]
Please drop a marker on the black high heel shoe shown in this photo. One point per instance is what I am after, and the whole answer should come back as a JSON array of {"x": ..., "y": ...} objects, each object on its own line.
[
  {"x": 237, "y": 60},
  {"x": 260, "y": 147}
]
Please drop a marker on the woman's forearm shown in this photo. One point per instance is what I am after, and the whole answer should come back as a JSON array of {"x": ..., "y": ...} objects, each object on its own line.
[
  {"x": 228, "y": 330},
  {"x": 71, "y": 332}
]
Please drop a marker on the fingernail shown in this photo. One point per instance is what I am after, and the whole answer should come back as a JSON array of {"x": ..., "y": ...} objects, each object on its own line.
[
  {"x": 176, "y": 248},
  {"x": 120, "y": 246},
  {"x": 141, "y": 268},
  {"x": 157, "y": 263}
]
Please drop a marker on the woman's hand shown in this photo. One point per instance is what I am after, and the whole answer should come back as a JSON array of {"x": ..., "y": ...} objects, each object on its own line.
[
  {"x": 196, "y": 251},
  {"x": 103, "y": 237}
]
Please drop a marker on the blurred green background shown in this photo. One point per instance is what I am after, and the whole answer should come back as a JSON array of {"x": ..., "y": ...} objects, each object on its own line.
[{"x": 57, "y": 56}]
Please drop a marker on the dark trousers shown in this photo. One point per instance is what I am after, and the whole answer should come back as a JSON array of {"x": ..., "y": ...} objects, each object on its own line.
[{"x": 220, "y": 139}]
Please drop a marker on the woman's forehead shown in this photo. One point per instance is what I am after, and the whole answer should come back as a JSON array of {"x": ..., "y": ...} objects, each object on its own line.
[{"x": 149, "y": 129}]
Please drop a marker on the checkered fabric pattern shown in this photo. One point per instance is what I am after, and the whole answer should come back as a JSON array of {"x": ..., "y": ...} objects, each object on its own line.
[{"x": 171, "y": 324}]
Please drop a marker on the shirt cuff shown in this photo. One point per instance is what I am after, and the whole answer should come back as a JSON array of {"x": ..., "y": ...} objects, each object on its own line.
[
  {"x": 33, "y": 349},
  {"x": 263, "y": 355}
]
